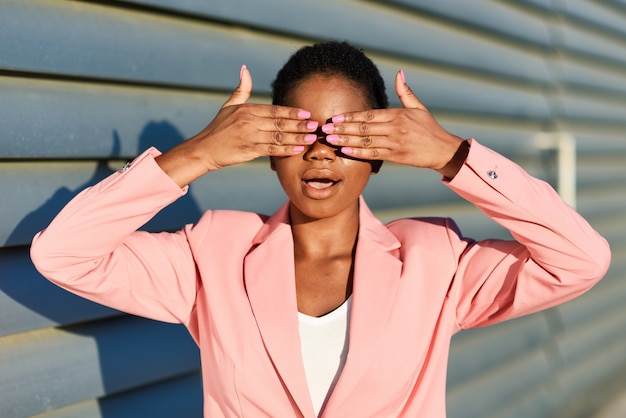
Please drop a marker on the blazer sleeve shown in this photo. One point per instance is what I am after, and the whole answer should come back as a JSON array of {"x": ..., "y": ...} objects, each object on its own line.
[
  {"x": 93, "y": 249},
  {"x": 556, "y": 254}
]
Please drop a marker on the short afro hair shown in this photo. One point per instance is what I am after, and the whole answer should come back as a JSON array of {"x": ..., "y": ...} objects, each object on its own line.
[{"x": 332, "y": 58}]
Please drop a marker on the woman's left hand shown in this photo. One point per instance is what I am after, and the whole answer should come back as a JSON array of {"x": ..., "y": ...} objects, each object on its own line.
[{"x": 408, "y": 135}]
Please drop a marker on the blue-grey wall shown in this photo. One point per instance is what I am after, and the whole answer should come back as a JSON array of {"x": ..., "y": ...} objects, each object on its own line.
[{"x": 86, "y": 85}]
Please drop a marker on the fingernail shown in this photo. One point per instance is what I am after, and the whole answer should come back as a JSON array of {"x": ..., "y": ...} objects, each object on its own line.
[
  {"x": 310, "y": 138},
  {"x": 339, "y": 118},
  {"x": 328, "y": 128},
  {"x": 346, "y": 150},
  {"x": 402, "y": 76},
  {"x": 298, "y": 148},
  {"x": 312, "y": 125},
  {"x": 304, "y": 114},
  {"x": 243, "y": 67},
  {"x": 333, "y": 139}
]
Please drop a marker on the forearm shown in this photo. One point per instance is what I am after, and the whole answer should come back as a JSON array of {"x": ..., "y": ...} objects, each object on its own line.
[
  {"x": 555, "y": 257},
  {"x": 557, "y": 237},
  {"x": 102, "y": 216},
  {"x": 92, "y": 247}
]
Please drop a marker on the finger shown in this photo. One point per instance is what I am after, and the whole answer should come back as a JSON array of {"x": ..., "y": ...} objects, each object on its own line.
[
  {"x": 405, "y": 94},
  {"x": 243, "y": 90},
  {"x": 357, "y": 128},
  {"x": 354, "y": 141},
  {"x": 284, "y": 138},
  {"x": 371, "y": 115},
  {"x": 365, "y": 153},
  {"x": 274, "y": 150},
  {"x": 286, "y": 125},
  {"x": 276, "y": 111}
]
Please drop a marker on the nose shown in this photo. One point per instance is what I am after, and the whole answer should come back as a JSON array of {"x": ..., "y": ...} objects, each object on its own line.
[{"x": 320, "y": 150}]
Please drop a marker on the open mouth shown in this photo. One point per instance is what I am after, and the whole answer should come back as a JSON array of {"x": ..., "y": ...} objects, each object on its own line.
[
  {"x": 320, "y": 179},
  {"x": 320, "y": 184}
]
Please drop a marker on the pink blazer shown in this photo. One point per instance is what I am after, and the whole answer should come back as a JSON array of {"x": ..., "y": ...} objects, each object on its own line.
[{"x": 230, "y": 279}]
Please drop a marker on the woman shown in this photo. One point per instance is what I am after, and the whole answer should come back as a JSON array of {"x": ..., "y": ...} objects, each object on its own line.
[{"x": 321, "y": 310}]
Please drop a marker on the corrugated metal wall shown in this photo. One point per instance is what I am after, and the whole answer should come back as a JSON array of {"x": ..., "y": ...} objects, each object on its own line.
[{"x": 86, "y": 85}]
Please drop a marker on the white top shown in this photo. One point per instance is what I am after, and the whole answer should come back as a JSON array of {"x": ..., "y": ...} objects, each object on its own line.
[{"x": 324, "y": 343}]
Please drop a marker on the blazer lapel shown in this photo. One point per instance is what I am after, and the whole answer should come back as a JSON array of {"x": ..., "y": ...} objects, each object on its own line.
[
  {"x": 376, "y": 275},
  {"x": 270, "y": 283}
]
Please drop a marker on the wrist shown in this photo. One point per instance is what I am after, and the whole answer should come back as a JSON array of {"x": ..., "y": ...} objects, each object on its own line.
[
  {"x": 454, "y": 164},
  {"x": 181, "y": 164}
]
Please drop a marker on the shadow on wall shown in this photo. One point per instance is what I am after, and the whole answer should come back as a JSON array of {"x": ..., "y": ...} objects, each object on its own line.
[
  {"x": 161, "y": 135},
  {"x": 126, "y": 346}
]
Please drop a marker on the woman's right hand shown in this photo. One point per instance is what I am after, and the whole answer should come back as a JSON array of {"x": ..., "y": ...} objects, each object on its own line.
[{"x": 240, "y": 132}]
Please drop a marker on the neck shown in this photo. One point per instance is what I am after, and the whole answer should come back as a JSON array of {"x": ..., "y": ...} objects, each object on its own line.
[{"x": 325, "y": 237}]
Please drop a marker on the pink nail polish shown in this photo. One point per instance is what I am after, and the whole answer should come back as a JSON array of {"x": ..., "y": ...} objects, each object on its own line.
[
  {"x": 310, "y": 138},
  {"x": 304, "y": 114},
  {"x": 339, "y": 119},
  {"x": 298, "y": 148},
  {"x": 333, "y": 139},
  {"x": 402, "y": 76},
  {"x": 243, "y": 67},
  {"x": 312, "y": 125},
  {"x": 347, "y": 150},
  {"x": 328, "y": 128}
]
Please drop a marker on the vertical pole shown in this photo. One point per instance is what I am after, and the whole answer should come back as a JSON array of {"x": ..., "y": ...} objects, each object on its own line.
[
  {"x": 567, "y": 168},
  {"x": 565, "y": 146}
]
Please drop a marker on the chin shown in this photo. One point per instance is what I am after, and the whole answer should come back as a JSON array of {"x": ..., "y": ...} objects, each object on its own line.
[{"x": 318, "y": 210}]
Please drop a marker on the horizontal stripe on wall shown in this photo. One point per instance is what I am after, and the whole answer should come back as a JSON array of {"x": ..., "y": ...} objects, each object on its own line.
[{"x": 87, "y": 85}]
